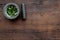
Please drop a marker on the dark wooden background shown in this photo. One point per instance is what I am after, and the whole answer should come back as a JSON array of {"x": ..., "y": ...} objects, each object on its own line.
[{"x": 43, "y": 21}]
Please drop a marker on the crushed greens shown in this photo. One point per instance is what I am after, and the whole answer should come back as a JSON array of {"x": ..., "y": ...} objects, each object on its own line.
[{"x": 11, "y": 10}]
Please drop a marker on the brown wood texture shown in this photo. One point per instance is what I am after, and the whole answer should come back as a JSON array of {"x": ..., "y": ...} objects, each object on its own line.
[{"x": 43, "y": 21}]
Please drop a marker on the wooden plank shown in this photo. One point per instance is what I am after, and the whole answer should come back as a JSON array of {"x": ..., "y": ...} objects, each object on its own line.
[{"x": 43, "y": 21}]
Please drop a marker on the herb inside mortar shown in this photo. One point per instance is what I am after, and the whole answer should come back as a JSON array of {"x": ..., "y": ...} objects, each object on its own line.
[{"x": 11, "y": 10}]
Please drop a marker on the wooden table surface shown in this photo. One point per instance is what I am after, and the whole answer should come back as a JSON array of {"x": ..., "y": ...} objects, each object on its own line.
[{"x": 43, "y": 21}]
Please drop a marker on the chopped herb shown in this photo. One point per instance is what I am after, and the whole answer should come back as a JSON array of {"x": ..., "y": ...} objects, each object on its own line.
[{"x": 11, "y": 10}]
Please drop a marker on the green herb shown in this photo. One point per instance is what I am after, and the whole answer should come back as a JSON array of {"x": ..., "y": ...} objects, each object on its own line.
[{"x": 11, "y": 10}]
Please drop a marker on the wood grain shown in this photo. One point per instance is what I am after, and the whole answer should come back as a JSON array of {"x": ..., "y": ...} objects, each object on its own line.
[{"x": 43, "y": 21}]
